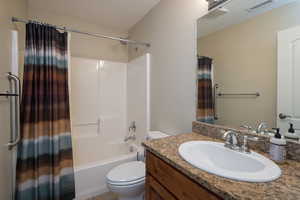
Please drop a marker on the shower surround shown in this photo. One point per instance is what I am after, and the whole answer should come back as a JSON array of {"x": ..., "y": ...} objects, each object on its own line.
[{"x": 105, "y": 98}]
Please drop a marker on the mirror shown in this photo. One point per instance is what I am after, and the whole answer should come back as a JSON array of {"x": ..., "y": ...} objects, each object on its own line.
[{"x": 249, "y": 65}]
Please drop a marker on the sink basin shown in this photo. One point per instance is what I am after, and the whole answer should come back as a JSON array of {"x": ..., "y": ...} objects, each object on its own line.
[{"x": 214, "y": 158}]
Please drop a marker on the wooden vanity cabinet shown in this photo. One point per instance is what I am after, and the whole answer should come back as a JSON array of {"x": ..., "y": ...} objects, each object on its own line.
[{"x": 164, "y": 182}]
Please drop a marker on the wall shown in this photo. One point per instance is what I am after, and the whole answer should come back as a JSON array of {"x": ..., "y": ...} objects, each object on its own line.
[
  {"x": 98, "y": 92},
  {"x": 83, "y": 45},
  {"x": 245, "y": 59},
  {"x": 170, "y": 27},
  {"x": 8, "y": 8},
  {"x": 138, "y": 105}
]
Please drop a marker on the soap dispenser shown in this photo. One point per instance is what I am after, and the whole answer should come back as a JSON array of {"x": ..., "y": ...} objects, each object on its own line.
[
  {"x": 278, "y": 147},
  {"x": 291, "y": 133},
  {"x": 291, "y": 129}
]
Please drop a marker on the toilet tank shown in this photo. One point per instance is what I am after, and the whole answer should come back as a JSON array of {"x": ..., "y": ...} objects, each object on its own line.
[
  {"x": 150, "y": 136},
  {"x": 156, "y": 135}
]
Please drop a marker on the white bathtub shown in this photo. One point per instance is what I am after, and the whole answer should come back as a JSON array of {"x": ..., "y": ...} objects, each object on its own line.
[{"x": 90, "y": 178}]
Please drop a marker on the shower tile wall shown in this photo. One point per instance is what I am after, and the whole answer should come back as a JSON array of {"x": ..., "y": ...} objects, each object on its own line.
[
  {"x": 98, "y": 107},
  {"x": 138, "y": 95}
]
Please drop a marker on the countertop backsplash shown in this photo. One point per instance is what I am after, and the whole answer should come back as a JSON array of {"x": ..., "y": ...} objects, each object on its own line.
[{"x": 217, "y": 132}]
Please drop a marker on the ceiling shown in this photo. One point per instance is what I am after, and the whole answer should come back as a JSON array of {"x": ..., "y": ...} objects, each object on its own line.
[
  {"x": 237, "y": 14},
  {"x": 118, "y": 15}
]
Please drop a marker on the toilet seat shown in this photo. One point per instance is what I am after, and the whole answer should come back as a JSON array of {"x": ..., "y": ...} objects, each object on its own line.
[
  {"x": 127, "y": 174},
  {"x": 125, "y": 184}
]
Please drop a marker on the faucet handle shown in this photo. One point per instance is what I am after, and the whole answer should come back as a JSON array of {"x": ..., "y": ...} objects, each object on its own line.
[
  {"x": 230, "y": 138},
  {"x": 248, "y": 127},
  {"x": 262, "y": 128},
  {"x": 246, "y": 138}
]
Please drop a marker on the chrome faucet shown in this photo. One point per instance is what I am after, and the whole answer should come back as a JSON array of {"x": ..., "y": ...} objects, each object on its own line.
[
  {"x": 262, "y": 128},
  {"x": 132, "y": 127},
  {"x": 231, "y": 142},
  {"x": 245, "y": 147},
  {"x": 130, "y": 137},
  {"x": 248, "y": 127}
]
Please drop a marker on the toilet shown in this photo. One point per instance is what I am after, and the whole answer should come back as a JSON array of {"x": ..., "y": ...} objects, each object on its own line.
[
  {"x": 128, "y": 180},
  {"x": 156, "y": 135}
]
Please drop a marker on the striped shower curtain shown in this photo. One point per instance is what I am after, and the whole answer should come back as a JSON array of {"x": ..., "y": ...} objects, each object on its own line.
[
  {"x": 205, "y": 108},
  {"x": 45, "y": 162}
]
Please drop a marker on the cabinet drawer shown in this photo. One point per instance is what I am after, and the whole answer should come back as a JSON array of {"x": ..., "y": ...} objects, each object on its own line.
[
  {"x": 174, "y": 181},
  {"x": 155, "y": 191}
]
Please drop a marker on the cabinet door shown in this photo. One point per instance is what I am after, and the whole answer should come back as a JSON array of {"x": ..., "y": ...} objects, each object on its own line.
[
  {"x": 178, "y": 184},
  {"x": 154, "y": 191}
]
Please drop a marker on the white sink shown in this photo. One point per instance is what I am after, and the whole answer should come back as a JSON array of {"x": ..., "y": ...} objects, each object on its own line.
[{"x": 214, "y": 158}]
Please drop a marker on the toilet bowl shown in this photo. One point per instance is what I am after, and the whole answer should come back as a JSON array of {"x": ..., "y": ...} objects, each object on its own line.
[{"x": 128, "y": 180}]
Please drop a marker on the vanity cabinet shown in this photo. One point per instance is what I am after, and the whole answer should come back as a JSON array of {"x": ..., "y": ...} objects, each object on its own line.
[{"x": 164, "y": 182}]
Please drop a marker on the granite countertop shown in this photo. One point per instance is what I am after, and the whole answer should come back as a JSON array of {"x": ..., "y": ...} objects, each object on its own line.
[{"x": 287, "y": 187}]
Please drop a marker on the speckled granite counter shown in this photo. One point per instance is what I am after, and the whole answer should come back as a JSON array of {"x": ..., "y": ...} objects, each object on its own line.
[{"x": 287, "y": 187}]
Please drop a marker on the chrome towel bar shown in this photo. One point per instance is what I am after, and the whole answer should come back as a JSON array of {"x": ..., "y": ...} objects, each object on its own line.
[{"x": 257, "y": 94}]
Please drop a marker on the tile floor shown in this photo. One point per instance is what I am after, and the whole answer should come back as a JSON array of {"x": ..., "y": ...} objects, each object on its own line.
[{"x": 106, "y": 196}]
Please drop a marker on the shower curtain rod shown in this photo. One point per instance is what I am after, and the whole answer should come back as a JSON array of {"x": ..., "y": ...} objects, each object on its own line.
[{"x": 122, "y": 40}]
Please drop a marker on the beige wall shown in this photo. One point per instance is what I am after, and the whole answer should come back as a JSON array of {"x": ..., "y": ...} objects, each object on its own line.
[
  {"x": 245, "y": 60},
  {"x": 171, "y": 29},
  {"x": 83, "y": 45},
  {"x": 8, "y": 8}
]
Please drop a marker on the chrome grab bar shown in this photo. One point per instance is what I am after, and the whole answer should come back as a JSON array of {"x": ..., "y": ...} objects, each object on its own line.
[
  {"x": 7, "y": 94},
  {"x": 216, "y": 86},
  {"x": 14, "y": 94}
]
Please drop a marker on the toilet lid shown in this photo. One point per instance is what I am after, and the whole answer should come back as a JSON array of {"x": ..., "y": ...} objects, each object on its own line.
[
  {"x": 127, "y": 172},
  {"x": 156, "y": 135}
]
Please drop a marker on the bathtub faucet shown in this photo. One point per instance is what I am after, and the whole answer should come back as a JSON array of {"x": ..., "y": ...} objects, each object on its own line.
[
  {"x": 132, "y": 127},
  {"x": 131, "y": 134},
  {"x": 130, "y": 137}
]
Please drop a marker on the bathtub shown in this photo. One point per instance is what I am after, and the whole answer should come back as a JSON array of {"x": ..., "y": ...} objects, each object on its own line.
[{"x": 90, "y": 178}]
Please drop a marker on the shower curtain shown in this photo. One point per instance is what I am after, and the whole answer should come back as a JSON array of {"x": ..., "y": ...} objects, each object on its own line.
[
  {"x": 205, "y": 108},
  {"x": 45, "y": 161}
]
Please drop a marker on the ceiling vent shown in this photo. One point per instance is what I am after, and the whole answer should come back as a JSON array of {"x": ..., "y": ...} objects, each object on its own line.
[
  {"x": 261, "y": 5},
  {"x": 216, "y": 13},
  {"x": 214, "y": 3}
]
